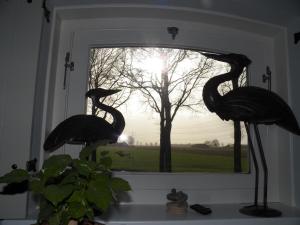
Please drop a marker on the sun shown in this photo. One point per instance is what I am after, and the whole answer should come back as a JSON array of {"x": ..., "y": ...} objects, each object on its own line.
[
  {"x": 154, "y": 64},
  {"x": 123, "y": 138}
]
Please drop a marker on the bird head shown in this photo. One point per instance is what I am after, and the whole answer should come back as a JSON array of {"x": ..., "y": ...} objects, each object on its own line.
[
  {"x": 232, "y": 58},
  {"x": 100, "y": 93}
]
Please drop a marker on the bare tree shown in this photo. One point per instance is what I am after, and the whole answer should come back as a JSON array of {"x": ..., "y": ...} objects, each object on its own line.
[{"x": 176, "y": 88}]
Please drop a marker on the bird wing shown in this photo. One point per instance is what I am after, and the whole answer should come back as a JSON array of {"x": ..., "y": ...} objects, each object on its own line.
[{"x": 254, "y": 104}]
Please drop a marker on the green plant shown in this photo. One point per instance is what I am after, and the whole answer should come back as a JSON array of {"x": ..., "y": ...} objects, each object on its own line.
[{"x": 71, "y": 188}]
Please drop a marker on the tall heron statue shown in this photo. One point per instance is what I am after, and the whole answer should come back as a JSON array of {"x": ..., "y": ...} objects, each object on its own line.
[
  {"x": 252, "y": 105},
  {"x": 88, "y": 129}
]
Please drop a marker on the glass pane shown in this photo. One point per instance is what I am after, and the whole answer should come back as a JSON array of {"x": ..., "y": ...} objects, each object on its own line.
[{"x": 168, "y": 127}]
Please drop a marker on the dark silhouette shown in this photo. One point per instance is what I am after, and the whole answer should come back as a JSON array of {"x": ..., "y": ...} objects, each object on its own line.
[
  {"x": 252, "y": 105},
  {"x": 87, "y": 129}
]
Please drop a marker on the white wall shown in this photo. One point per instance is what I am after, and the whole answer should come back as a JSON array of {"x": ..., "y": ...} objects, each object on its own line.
[
  {"x": 294, "y": 60},
  {"x": 20, "y": 25}
]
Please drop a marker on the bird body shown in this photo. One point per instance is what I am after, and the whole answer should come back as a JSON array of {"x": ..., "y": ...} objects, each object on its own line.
[
  {"x": 248, "y": 104},
  {"x": 257, "y": 105},
  {"x": 86, "y": 129},
  {"x": 89, "y": 129}
]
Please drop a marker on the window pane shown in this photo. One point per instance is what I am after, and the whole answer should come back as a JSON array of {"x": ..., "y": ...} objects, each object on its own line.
[{"x": 168, "y": 127}]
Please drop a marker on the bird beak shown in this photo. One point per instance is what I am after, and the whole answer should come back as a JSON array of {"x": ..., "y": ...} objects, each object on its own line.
[
  {"x": 111, "y": 92},
  {"x": 217, "y": 57},
  {"x": 100, "y": 92}
]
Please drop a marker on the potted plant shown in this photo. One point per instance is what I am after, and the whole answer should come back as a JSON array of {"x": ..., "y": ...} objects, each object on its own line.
[{"x": 71, "y": 190}]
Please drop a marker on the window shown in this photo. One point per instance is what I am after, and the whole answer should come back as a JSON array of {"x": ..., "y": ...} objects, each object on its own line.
[
  {"x": 184, "y": 137},
  {"x": 81, "y": 36}
]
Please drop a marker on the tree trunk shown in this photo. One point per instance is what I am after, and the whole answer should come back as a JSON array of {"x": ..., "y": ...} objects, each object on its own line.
[
  {"x": 162, "y": 154},
  {"x": 165, "y": 149},
  {"x": 237, "y": 140},
  {"x": 237, "y": 147},
  {"x": 165, "y": 125}
]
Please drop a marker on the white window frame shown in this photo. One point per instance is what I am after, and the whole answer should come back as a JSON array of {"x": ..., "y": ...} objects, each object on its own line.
[{"x": 151, "y": 188}]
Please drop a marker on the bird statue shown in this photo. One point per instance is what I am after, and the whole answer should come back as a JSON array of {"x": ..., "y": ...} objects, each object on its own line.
[
  {"x": 87, "y": 129},
  {"x": 252, "y": 105}
]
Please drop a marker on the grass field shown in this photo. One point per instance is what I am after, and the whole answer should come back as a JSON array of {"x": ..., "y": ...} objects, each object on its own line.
[{"x": 184, "y": 159}]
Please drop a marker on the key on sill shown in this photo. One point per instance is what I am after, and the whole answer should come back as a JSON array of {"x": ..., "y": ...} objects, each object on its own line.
[{"x": 201, "y": 209}]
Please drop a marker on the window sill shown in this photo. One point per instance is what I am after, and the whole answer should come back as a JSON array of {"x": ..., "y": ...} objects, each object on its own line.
[{"x": 223, "y": 214}]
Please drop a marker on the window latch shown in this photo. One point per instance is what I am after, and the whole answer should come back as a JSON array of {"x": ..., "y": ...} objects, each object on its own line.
[
  {"x": 268, "y": 77},
  {"x": 31, "y": 165},
  {"x": 68, "y": 65}
]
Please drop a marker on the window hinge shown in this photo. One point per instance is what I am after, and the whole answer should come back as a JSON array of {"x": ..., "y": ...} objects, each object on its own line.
[{"x": 68, "y": 65}]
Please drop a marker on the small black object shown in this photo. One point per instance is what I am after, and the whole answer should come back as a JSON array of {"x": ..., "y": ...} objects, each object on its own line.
[
  {"x": 68, "y": 65},
  {"x": 31, "y": 165},
  {"x": 46, "y": 11},
  {"x": 15, "y": 188},
  {"x": 260, "y": 211},
  {"x": 201, "y": 209},
  {"x": 296, "y": 37},
  {"x": 268, "y": 77},
  {"x": 173, "y": 31},
  {"x": 14, "y": 166}
]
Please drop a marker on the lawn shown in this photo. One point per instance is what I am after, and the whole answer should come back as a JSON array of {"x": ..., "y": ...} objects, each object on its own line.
[{"x": 184, "y": 159}]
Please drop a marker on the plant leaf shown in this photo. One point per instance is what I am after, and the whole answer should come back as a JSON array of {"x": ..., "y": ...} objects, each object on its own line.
[
  {"x": 89, "y": 213},
  {"x": 76, "y": 210},
  {"x": 57, "y": 193},
  {"x": 77, "y": 196},
  {"x": 99, "y": 193},
  {"x": 54, "y": 219},
  {"x": 55, "y": 165},
  {"x": 71, "y": 178},
  {"x": 65, "y": 218},
  {"x": 46, "y": 210},
  {"x": 15, "y": 176},
  {"x": 82, "y": 167},
  {"x": 106, "y": 162},
  {"x": 119, "y": 185},
  {"x": 36, "y": 186},
  {"x": 86, "y": 152}
]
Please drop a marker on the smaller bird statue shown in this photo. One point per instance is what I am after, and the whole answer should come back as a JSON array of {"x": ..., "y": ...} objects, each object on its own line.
[
  {"x": 252, "y": 105},
  {"x": 88, "y": 129}
]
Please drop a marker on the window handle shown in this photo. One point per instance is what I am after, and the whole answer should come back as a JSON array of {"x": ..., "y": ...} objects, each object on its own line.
[
  {"x": 68, "y": 65},
  {"x": 268, "y": 77}
]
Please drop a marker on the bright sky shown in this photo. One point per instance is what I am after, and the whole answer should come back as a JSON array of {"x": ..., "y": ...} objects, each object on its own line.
[{"x": 188, "y": 127}]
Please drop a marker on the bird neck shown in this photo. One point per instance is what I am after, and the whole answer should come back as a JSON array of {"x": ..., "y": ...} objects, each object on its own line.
[
  {"x": 118, "y": 120},
  {"x": 211, "y": 96}
]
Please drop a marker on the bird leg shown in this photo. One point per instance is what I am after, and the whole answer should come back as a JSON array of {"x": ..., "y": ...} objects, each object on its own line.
[
  {"x": 259, "y": 210},
  {"x": 247, "y": 126},
  {"x": 264, "y": 165}
]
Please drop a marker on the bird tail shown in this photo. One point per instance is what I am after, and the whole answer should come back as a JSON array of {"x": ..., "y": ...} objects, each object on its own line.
[
  {"x": 297, "y": 132},
  {"x": 294, "y": 128}
]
